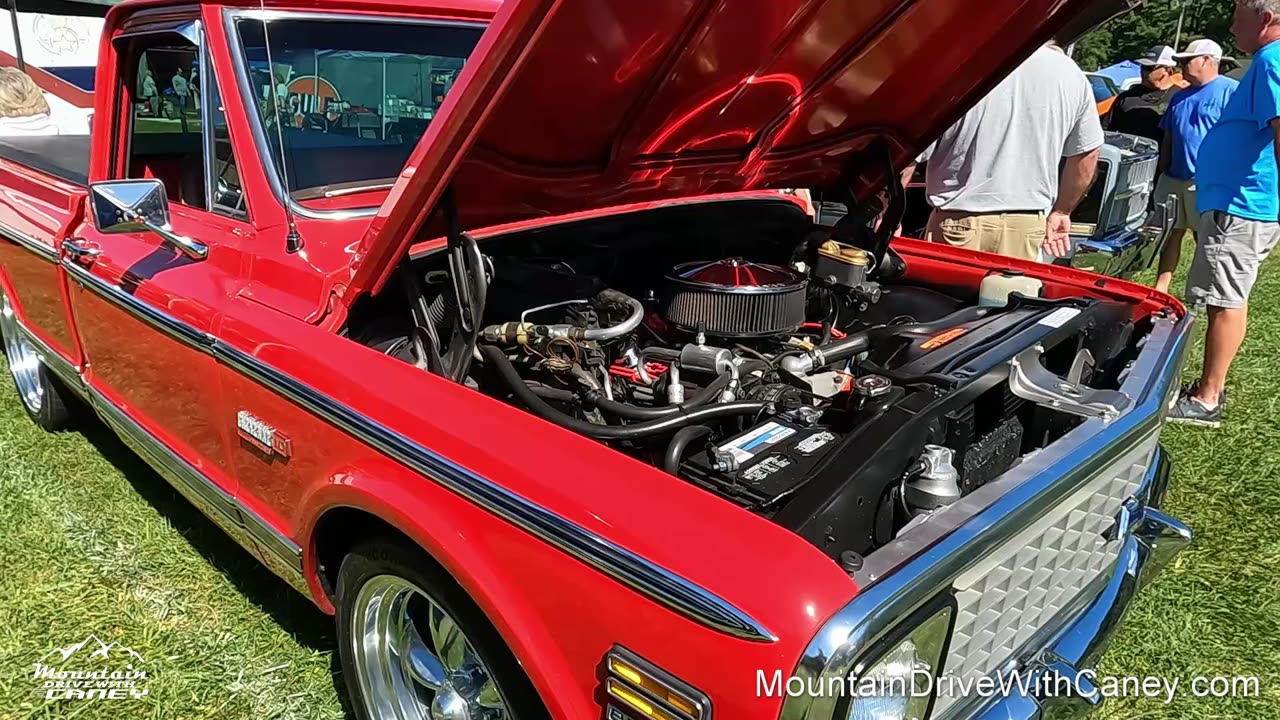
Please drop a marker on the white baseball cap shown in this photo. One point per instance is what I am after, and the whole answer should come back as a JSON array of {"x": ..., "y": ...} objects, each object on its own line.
[
  {"x": 1205, "y": 47},
  {"x": 1158, "y": 56}
]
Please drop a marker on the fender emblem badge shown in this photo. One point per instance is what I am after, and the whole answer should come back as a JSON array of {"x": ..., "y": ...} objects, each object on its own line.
[{"x": 263, "y": 436}]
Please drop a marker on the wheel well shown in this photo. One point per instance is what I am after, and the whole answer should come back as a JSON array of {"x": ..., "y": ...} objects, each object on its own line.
[{"x": 341, "y": 529}]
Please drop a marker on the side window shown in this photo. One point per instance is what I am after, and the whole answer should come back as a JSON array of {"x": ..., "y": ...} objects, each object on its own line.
[
  {"x": 175, "y": 134},
  {"x": 164, "y": 137},
  {"x": 228, "y": 195}
]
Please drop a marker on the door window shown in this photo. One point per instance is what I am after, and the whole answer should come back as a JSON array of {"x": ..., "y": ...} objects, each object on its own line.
[{"x": 167, "y": 117}]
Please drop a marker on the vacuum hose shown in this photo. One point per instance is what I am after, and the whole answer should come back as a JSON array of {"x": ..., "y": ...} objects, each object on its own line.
[{"x": 497, "y": 359}]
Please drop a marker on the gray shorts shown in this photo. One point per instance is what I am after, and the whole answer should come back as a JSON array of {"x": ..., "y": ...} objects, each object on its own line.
[{"x": 1229, "y": 251}]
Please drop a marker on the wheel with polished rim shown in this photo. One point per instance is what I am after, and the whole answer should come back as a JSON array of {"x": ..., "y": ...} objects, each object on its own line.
[
  {"x": 414, "y": 647},
  {"x": 44, "y": 398}
]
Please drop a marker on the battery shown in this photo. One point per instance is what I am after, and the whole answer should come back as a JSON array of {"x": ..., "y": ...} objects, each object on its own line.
[{"x": 773, "y": 460}]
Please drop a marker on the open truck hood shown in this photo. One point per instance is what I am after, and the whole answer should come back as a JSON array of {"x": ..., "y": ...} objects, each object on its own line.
[{"x": 569, "y": 105}]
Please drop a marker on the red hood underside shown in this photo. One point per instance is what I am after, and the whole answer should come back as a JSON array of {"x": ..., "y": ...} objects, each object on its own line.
[{"x": 569, "y": 105}]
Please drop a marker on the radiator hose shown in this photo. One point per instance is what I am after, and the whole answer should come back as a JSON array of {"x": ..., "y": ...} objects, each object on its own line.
[{"x": 679, "y": 443}]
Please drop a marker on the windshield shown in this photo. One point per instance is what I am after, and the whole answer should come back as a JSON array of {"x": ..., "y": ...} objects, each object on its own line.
[{"x": 348, "y": 99}]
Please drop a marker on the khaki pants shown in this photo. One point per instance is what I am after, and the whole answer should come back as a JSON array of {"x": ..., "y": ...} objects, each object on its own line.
[{"x": 1017, "y": 234}]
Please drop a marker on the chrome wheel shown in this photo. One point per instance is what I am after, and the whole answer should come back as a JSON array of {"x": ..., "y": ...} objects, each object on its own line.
[
  {"x": 412, "y": 660},
  {"x": 24, "y": 364}
]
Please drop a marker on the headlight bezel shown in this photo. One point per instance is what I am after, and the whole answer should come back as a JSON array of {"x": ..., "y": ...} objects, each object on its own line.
[{"x": 891, "y": 640}]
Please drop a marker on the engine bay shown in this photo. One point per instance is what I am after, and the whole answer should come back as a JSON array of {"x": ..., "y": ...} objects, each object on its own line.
[{"x": 788, "y": 368}]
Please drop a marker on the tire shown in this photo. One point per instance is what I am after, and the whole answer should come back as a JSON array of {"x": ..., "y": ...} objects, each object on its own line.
[
  {"x": 384, "y": 580},
  {"x": 47, "y": 401}
]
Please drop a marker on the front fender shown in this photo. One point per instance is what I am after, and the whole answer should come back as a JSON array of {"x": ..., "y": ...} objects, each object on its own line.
[{"x": 558, "y": 616}]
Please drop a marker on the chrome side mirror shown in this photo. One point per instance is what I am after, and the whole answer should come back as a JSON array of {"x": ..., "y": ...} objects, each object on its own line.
[{"x": 131, "y": 206}]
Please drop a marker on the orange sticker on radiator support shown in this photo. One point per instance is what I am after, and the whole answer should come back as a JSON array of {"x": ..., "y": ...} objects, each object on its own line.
[{"x": 943, "y": 338}]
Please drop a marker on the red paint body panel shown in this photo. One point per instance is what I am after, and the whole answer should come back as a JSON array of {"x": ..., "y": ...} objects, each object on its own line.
[
  {"x": 41, "y": 209},
  {"x": 165, "y": 385},
  {"x": 558, "y": 614}
]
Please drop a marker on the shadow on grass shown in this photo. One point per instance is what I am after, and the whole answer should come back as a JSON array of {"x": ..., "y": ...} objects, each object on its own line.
[{"x": 294, "y": 613}]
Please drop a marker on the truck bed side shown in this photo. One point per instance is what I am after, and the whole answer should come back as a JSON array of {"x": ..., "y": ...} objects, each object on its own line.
[{"x": 41, "y": 203}]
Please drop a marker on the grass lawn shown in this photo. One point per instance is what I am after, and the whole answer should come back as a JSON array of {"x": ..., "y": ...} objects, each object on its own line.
[{"x": 91, "y": 541}]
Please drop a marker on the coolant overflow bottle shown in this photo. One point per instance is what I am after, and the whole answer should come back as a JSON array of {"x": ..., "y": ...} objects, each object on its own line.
[
  {"x": 995, "y": 288},
  {"x": 938, "y": 484}
]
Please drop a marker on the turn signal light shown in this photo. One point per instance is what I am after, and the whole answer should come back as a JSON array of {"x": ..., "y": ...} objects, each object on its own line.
[
  {"x": 636, "y": 703},
  {"x": 645, "y": 691}
]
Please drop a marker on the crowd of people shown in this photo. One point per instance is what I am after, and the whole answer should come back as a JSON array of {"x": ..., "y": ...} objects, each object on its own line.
[
  {"x": 183, "y": 94},
  {"x": 995, "y": 184}
]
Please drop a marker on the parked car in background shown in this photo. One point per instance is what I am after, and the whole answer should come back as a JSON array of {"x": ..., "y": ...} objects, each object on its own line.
[
  {"x": 1104, "y": 94},
  {"x": 559, "y": 407},
  {"x": 1119, "y": 229}
]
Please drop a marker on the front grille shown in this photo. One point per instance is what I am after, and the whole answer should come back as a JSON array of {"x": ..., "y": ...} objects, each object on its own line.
[
  {"x": 1138, "y": 174},
  {"x": 1119, "y": 200},
  {"x": 1021, "y": 587}
]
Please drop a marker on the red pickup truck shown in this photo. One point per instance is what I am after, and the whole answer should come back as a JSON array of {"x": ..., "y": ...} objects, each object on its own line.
[{"x": 483, "y": 327}]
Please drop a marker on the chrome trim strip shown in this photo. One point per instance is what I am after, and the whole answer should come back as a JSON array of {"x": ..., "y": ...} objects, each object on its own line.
[
  {"x": 166, "y": 462},
  {"x": 628, "y": 568},
  {"x": 207, "y": 130},
  {"x": 911, "y": 571},
  {"x": 272, "y": 540},
  {"x": 158, "y": 319},
  {"x": 197, "y": 488},
  {"x": 638, "y": 573},
  {"x": 46, "y": 252},
  {"x": 230, "y": 17},
  {"x": 178, "y": 471}
]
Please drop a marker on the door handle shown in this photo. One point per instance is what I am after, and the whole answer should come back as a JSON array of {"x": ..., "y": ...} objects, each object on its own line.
[{"x": 81, "y": 251}]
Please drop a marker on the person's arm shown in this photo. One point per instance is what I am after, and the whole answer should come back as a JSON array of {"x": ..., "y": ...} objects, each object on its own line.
[
  {"x": 1077, "y": 175},
  {"x": 1081, "y": 152},
  {"x": 1275, "y": 135}
]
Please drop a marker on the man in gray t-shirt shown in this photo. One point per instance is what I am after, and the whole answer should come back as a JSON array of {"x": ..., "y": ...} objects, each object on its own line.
[{"x": 993, "y": 177}]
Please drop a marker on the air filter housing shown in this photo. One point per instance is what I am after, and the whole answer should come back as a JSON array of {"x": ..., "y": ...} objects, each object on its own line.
[{"x": 735, "y": 298}]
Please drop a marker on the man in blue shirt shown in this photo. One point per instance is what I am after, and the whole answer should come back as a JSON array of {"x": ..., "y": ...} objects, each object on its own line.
[
  {"x": 1236, "y": 193},
  {"x": 1191, "y": 113}
]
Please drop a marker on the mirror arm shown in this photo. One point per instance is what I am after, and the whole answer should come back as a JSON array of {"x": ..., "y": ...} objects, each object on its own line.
[{"x": 193, "y": 249}]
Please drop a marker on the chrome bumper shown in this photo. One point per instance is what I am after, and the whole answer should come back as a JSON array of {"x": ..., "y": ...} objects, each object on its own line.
[
  {"x": 1153, "y": 538},
  {"x": 1127, "y": 254}
]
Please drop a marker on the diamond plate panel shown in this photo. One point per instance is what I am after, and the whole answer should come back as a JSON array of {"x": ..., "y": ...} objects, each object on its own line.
[{"x": 1023, "y": 584}]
